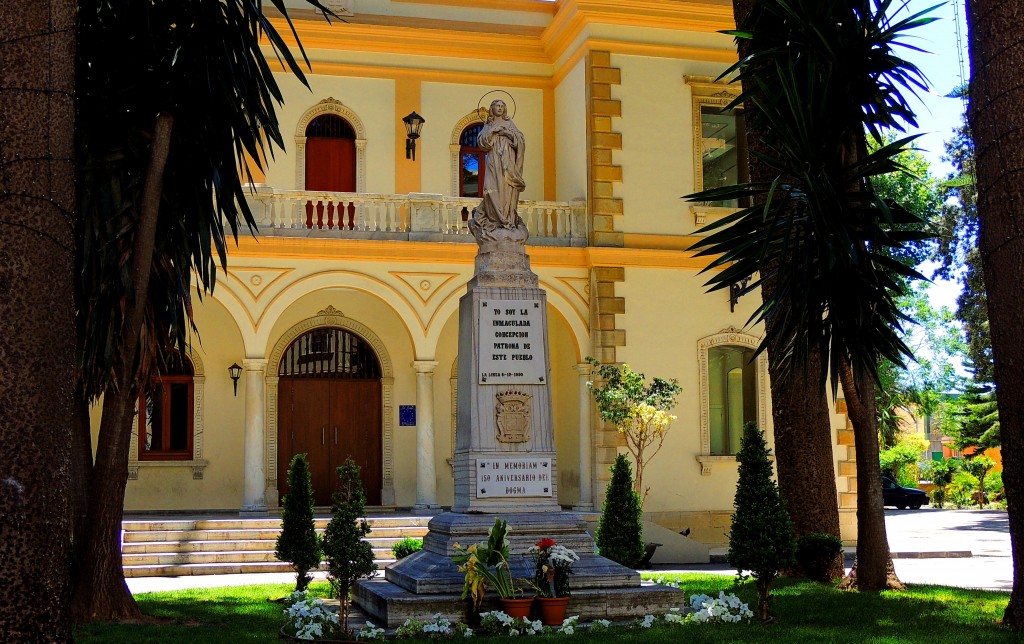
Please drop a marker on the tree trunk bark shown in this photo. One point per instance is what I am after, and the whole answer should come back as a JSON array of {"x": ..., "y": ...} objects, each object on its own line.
[
  {"x": 873, "y": 571},
  {"x": 81, "y": 471},
  {"x": 37, "y": 210},
  {"x": 802, "y": 426},
  {"x": 996, "y": 117},
  {"x": 100, "y": 590}
]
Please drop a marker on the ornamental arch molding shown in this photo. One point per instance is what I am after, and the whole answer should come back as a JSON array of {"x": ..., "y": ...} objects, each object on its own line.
[
  {"x": 454, "y": 147},
  {"x": 196, "y": 463},
  {"x": 729, "y": 336},
  {"x": 331, "y": 317},
  {"x": 330, "y": 105}
]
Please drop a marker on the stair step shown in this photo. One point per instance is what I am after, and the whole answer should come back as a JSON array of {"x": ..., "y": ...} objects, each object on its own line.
[{"x": 176, "y": 547}]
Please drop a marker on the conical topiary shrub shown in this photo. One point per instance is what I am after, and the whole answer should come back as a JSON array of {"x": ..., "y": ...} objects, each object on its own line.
[
  {"x": 298, "y": 542},
  {"x": 349, "y": 557},
  {"x": 761, "y": 536},
  {"x": 620, "y": 532}
]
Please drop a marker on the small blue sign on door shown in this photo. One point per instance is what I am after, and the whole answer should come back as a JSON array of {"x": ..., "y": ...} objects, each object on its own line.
[{"x": 407, "y": 415}]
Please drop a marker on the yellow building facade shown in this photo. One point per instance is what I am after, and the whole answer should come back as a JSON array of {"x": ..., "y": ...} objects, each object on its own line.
[{"x": 343, "y": 312}]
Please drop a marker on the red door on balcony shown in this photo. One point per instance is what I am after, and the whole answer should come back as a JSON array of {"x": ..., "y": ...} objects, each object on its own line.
[{"x": 330, "y": 167}]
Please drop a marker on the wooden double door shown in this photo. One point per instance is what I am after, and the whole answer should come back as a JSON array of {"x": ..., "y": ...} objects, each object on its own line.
[{"x": 329, "y": 420}]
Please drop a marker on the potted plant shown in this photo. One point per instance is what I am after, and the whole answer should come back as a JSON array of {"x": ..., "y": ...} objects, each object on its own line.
[
  {"x": 486, "y": 563},
  {"x": 551, "y": 579}
]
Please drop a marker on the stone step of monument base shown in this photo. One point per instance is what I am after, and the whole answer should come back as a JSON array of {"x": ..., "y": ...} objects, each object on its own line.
[{"x": 390, "y": 605}]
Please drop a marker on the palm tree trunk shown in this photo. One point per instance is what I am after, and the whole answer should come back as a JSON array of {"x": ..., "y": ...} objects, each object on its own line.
[
  {"x": 37, "y": 210},
  {"x": 100, "y": 591},
  {"x": 996, "y": 116},
  {"x": 802, "y": 427},
  {"x": 873, "y": 570}
]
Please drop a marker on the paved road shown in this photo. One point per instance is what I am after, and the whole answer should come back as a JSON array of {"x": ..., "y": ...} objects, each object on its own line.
[
  {"x": 930, "y": 533},
  {"x": 983, "y": 533}
]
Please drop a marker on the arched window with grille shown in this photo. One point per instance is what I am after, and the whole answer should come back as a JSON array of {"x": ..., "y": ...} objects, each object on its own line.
[
  {"x": 471, "y": 162},
  {"x": 168, "y": 405}
]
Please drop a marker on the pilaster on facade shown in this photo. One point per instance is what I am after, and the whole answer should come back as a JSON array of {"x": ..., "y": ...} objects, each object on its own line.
[
  {"x": 605, "y": 340},
  {"x": 846, "y": 462},
  {"x": 602, "y": 139}
]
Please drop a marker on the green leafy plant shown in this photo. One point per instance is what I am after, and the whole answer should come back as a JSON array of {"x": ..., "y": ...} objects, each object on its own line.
[
  {"x": 994, "y": 487},
  {"x": 941, "y": 474},
  {"x": 960, "y": 491},
  {"x": 298, "y": 542},
  {"x": 815, "y": 554},
  {"x": 900, "y": 461},
  {"x": 761, "y": 535},
  {"x": 620, "y": 530},
  {"x": 486, "y": 564},
  {"x": 978, "y": 466},
  {"x": 406, "y": 547},
  {"x": 349, "y": 556},
  {"x": 638, "y": 410}
]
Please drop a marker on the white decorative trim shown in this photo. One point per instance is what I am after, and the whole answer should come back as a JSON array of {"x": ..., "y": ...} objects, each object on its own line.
[
  {"x": 387, "y": 399},
  {"x": 705, "y": 91},
  {"x": 454, "y": 146},
  {"x": 330, "y": 105},
  {"x": 453, "y": 382},
  {"x": 197, "y": 463},
  {"x": 730, "y": 336}
]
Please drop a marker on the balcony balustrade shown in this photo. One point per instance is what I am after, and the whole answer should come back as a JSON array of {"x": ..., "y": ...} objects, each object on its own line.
[{"x": 412, "y": 217}]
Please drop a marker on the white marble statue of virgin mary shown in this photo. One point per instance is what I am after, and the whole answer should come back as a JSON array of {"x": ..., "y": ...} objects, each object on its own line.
[{"x": 503, "y": 171}]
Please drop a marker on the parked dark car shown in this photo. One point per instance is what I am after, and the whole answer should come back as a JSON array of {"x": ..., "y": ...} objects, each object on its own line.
[{"x": 902, "y": 497}]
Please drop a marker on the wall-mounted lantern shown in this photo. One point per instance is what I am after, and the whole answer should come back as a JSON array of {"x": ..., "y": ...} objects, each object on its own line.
[
  {"x": 413, "y": 125},
  {"x": 235, "y": 372}
]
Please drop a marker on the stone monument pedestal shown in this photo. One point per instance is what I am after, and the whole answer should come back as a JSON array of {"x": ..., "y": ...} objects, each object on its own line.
[{"x": 505, "y": 457}]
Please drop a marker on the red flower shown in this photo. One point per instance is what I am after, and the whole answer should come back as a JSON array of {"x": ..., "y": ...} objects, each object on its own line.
[{"x": 545, "y": 543}]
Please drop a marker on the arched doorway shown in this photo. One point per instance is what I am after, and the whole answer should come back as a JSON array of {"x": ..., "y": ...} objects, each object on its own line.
[{"x": 329, "y": 407}]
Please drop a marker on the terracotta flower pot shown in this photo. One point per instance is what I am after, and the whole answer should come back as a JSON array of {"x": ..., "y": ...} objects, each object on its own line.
[
  {"x": 517, "y": 608},
  {"x": 552, "y": 610}
]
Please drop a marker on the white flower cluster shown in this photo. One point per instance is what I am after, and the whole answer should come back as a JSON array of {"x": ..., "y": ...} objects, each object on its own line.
[
  {"x": 674, "y": 616},
  {"x": 646, "y": 622},
  {"x": 439, "y": 627},
  {"x": 496, "y": 622},
  {"x": 600, "y": 625},
  {"x": 724, "y": 608},
  {"x": 666, "y": 581},
  {"x": 562, "y": 556},
  {"x": 308, "y": 616},
  {"x": 370, "y": 632},
  {"x": 569, "y": 625}
]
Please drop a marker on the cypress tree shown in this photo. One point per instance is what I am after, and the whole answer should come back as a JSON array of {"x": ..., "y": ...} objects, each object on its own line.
[
  {"x": 349, "y": 557},
  {"x": 761, "y": 536},
  {"x": 298, "y": 542},
  {"x": 620, "y": 532}
]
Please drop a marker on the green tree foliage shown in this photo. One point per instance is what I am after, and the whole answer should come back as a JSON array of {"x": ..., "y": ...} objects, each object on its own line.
[
  {"x": 761, "y": 535},
  {"x": 977, "y": 421},
  {"x": 978, "y": 467},
  {"x": 638, "y": 410},
  {"x": 900, "y": 461},
  {"x": 406, "y": 547},
  {"x": 941, "y": 475},
  {"x": 620, "y": 531},
  {"x": 349, "y": 556},
  {"x": 817, "y": 75},
  {"x": 957, "y": 250},
  {"x": 298, "y": 542}
]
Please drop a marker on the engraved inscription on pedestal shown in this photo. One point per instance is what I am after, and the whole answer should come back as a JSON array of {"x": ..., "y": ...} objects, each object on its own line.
[
  {"x": 512, "y": 416},
  {"x": 513, "y": 477},
  {"x": 511, "y": 343}
]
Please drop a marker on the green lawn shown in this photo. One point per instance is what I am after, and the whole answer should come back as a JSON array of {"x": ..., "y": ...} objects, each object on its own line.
[{"x": 806, "y": 613}]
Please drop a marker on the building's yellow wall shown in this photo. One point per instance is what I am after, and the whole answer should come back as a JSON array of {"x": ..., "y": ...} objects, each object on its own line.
[
  {"x": 657, "y": 143},
  {"x": 447, "y": 103},
  {"x": 173, "y": 488},
  {"x": 571, "y": 125}
]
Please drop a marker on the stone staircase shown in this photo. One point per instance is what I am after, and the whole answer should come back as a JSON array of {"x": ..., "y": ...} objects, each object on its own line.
[{"x": 172, "y": 547}]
